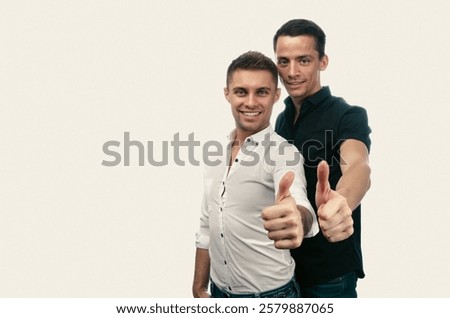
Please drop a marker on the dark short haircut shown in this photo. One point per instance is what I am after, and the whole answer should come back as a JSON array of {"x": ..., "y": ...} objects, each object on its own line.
[
  {"x": 299, "y": 27},
  {"x": 253, "y": 60}
]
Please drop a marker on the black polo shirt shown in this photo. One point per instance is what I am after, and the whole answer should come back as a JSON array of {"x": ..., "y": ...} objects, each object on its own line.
[{"x": 324, "y": 123}]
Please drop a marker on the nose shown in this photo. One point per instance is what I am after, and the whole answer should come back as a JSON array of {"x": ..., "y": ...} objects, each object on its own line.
[
  {"x": 251, "y": 100},
  {"x": 293, "y": 70}
]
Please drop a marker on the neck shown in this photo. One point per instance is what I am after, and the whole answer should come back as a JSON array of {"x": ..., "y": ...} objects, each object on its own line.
[{"x": 242, "y": 135}]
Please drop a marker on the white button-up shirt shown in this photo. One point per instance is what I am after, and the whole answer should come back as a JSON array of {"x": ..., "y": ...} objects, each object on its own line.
[{"x": 243, "y": 258}]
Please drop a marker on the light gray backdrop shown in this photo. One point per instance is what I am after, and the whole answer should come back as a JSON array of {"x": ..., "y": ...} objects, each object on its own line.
[{"x": 76, "y": 74}]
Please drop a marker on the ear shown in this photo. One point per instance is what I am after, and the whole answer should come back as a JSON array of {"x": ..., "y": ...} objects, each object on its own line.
[
  {"x": 226, "y": 92},
  {"x": 323, "y": 62},
  {"x": 277, "y": 94}
]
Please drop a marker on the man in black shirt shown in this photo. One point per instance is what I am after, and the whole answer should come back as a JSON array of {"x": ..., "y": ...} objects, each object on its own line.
[{"x": 324, "y": 128}]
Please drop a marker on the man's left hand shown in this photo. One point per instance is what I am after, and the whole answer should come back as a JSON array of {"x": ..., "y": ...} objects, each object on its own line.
[{"x": 334, "y": 214}]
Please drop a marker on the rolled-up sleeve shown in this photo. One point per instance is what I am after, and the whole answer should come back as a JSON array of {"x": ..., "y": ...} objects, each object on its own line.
[{"x": 202, "y": 236}]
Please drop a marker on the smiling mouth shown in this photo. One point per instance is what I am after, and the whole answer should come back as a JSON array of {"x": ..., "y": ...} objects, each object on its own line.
[
  {"x": 250, "y": 114},
  {"x": 295, "y": 83}
]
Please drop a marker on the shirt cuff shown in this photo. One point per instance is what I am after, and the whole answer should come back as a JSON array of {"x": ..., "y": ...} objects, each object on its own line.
[{"x": 202, "y": 241}]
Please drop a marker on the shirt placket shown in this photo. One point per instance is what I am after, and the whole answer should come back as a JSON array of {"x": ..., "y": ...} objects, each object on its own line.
[
  {"x": 223, "y": 197},
  {"x": 223, "y": 218}
]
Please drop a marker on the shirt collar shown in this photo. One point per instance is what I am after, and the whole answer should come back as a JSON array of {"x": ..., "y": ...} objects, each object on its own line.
[
  {"x": 256, "y": 138},
  {"x": 312, "y": 101}
]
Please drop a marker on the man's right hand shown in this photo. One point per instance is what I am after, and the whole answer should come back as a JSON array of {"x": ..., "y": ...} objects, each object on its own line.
[
  {"x": 283, "y": 220},
  {"x": 202, "y": 293}
]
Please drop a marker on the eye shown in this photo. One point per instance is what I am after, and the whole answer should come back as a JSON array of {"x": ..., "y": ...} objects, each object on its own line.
[
  {"x": 263, "y": 92},
  {"x": 240, "y": 92},
  {"x": 305, "y": 61},
  {"x": 282, "y": 62}
]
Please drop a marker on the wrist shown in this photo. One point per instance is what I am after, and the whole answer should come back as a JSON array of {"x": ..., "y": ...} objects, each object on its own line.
[
  {"x": 306, "y": 219},
  {"x": 199, "y": 291}
]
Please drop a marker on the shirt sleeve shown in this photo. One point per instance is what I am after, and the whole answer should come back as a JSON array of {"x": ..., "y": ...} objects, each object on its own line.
[
  {"x": 202, "y": 236},
  {"x": 354, "y": 124},
  {"x": 288, "y": 158}
]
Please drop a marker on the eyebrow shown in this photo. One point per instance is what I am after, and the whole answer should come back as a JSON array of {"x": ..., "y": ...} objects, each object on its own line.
[
  {"x": 245, "y": 89},
  {"x": 297, "y": 57}
]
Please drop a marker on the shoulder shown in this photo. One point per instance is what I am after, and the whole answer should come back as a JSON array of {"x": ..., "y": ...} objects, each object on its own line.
[
  {"x": 343, "y": 114},
  {"x": 354, "y": 124},
  {"x": 281, "y": 149},
  {"x": 281, "y": 141},
  {"x": 280, "y": 120},
  {"x": 340, "y": 105},
  {"x": 354, "y": 114}
]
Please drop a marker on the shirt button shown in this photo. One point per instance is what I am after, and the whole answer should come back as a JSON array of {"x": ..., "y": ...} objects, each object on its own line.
[
  {"x": 236, "y": 160},
  {"x": 220, "y": 209},
  {"x": 221, "y": 234},
  {"x": 225, "y": 262},
  {"x": 248, "y": 140}
]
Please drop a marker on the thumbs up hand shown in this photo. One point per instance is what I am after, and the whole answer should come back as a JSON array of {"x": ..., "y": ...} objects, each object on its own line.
[
  {"x": 283, "y": 220},
  {"x": 334, "y": 214},
  {"x": 284, "y": 186},
  {"x": 323, "y": 188}
]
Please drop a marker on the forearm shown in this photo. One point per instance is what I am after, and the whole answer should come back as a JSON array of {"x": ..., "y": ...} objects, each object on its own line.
[
  {"x": 307, "y": 219},
  {"x": 201, "y": 273},
  {"x": 354, "y": 183}
]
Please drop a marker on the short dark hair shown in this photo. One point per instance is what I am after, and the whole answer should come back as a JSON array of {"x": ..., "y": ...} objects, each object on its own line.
[
  {"x": 253, "y": 60},
  {"x": 297, "y": 27}
]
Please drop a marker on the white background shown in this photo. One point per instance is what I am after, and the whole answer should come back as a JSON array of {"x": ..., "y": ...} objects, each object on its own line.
[{"x": 75, "y": 74}]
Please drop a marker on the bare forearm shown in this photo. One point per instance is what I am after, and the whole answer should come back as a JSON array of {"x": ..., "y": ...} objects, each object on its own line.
[
  {"x": 307, "y": 219},
  {"x": 201, "y": 273},
  {"x": 354, "y": 184}
]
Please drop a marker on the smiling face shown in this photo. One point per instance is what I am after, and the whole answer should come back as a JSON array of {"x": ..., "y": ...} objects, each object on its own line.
[
  {"x": 299, "y": 66},
  {"x": 251, "y": 94}
]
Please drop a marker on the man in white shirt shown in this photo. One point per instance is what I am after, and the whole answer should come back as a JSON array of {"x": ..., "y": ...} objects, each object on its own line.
[{"x": 238, "y": 247}]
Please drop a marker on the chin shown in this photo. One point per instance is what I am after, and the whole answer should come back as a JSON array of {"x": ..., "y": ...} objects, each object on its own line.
[{"x": 297, "y": 94}]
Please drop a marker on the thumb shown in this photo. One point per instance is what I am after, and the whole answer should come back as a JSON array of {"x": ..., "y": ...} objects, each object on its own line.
[
  {"x": 323, "y": 186},
  {"x": 284, "y": 185}
]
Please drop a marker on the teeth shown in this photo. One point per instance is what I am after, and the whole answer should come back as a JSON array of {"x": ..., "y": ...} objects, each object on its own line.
[{"x": 251, "y": 114}]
